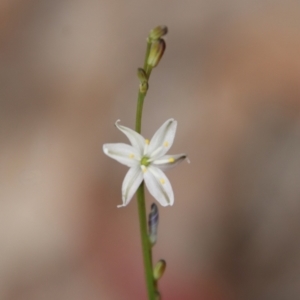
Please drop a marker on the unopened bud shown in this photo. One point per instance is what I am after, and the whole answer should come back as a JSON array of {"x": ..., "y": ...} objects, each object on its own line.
[
  {"x": 153, "y": 223},
  {"x": 156, "y": 52},
  {"x": 159, "y": 269},
  {"x": 157, "y": 295},
  {"x": 144, "y": 87},
  {"x": 143, "y": 80},
  {"x": 158, "y": 32},
  {"x": 142, "y": 75}
]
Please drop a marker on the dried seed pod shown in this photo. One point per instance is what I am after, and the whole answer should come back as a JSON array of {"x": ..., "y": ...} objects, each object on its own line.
[{"x": 153, "y": 223}]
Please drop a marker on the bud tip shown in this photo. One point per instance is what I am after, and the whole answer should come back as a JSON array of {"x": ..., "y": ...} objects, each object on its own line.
[{"x": 158, "y": 32}]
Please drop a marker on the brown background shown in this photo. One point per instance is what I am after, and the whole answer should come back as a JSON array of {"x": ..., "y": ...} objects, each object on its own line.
[{"x": 230, "y": 76}]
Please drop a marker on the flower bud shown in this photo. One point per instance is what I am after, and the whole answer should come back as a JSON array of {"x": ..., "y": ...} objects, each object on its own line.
[
  {"x": 158, "y": 32},
  {"x": 156, "y": 52},
  {"x": 144, "y": 87},
  {"x": 143, "y": 80},
  {"x": 153, "y": 223},
  {"x": 157, "y": 295},
  {"x": 142, "y": 75},
  {"x": 159, "y": 269}
]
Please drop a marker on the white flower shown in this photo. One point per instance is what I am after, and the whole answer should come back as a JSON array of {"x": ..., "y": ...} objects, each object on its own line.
[{"x": 146, "y": 160}]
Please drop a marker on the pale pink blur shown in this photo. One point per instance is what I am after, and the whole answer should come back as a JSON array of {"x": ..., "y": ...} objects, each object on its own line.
[{"x": 230, "y": 76}]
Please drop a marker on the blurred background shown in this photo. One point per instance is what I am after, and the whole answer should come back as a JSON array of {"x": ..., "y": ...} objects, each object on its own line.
[{"x": 230, "y": 76}]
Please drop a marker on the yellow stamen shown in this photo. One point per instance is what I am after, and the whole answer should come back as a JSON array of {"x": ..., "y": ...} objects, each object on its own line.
[
  {"x": 147, "y": 141},
  {"x": 171, "y": 159},
  {"x": 162, "y": 181},
  {"x": 166, "y": 143},
  {"x": 131, "y": 155},
  {"x": 144, "y": 169}
]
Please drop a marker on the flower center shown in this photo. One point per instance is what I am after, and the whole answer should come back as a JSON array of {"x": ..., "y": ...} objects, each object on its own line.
[{"x": 145, "y": 161}]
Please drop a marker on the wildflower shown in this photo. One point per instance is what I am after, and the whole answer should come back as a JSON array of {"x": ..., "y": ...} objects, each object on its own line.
[{"x": 146, "y": 160}]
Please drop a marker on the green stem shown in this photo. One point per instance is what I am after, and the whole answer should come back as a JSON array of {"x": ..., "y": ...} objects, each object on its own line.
[
  {"x": 147, "y": 252},
  {"x": 141, "y": 96},
  {"x": 139, "y": 112},
  {"x": 146, "y": 246}
]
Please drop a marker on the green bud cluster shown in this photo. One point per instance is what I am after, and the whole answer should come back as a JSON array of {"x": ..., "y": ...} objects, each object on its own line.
[{"x": 157, "y": 47}]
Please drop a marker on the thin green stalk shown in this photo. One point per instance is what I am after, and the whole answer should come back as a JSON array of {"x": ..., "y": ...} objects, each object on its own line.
[
  {"x": 141, "y": 96},
  {"x": 146, "y": 246},
  {"x": 139, "y": 112},
  {"x": 147, "y": 252}
]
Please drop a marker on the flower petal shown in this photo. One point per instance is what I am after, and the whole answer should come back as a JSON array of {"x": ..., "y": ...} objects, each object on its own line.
[
  {"x": 168, "y": 161},
  {"x": 131, "y": 182},
  {"x": 136, "y": 140},
  {"x": 163, "y": 139},
  {"x": 158, "y": 185},
  {"x": 123, "y": 153}
]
